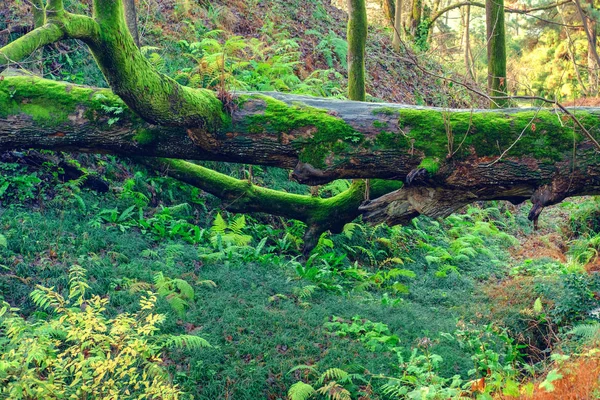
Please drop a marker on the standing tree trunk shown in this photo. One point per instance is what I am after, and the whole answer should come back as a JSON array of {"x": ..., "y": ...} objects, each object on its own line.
[
  {"x": 397, "y": 25},
  {"x": 389, "y": 7},
  {"x": 592, "y": 63},
  {"x": 131, "y": 19},
  {"x": 357, "y": 38},
  {"x": 467, "y": 43},
  {"x": 573, "y": 55},
  {"x": 496, "y": 52},
  {"x": 589, "y": 26},
  {"x": 415, "y": 17}
]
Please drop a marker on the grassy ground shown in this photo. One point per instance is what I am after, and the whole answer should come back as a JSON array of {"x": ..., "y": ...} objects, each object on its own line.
[{"x": 254, "y": 315}]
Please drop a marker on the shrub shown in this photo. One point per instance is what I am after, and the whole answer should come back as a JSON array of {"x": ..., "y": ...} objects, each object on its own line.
[{"x": 78, "y": 352}]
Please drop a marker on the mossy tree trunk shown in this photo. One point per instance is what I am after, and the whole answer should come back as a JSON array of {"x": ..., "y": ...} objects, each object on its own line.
[
  {"x": 496, "y": 52},
  {"x": 495, "y": 154},
  {"x": 467, "y": 43},
  {"x": 357, "y": 39},
  {"x": 415, "y": 17}
]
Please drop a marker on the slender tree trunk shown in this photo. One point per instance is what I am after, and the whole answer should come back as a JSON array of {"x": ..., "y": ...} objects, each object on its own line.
[
  {"x": 357, "y": 38},
  {"x": 589, "y": 27},
  {"x": 357, "y": 20},
  {"x": 389, "y": 9},
  {"x": 397, "y": 25},
  {"x": 131, "y": 19},
  {"x": 496, "y": 51},
  {"x": 467, "y": 43},
  {"x": 572, "y": 56},
  {"x": 415, "y": 17},
  {"x": 592, "y": 63}
]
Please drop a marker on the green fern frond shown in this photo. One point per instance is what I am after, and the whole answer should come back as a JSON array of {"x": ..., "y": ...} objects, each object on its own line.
[
  {"x": 333, "y": 374},
  {"x": 300, "y": 391},
  {"x": 334, "y": 391},
  {"x": 238, "y": 225},
  {"x": 191, "y": 342},
  {"x": 219, "y": 226},
  {"x": 305, "y": 292},
  {"x": 586, "y": 331},
  {"x": 185, "y": 289}
]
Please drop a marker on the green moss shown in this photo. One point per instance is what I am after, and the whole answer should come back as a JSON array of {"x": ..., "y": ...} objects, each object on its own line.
[
  {"x": 327, "y": 135},
  {"x": 386, "y": 111},
  {"x": 489, "y": 133},
  {"x": 144, "y": 136},
  {"x": 430, "y": 164},
  {"x": 390, "y": 140},
  {"x": 43, "y": 114},
  {"x": 51, "y": 103}
]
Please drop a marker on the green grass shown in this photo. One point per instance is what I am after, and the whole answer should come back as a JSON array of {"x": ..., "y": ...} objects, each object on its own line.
[{"x": 259, "y": 326}]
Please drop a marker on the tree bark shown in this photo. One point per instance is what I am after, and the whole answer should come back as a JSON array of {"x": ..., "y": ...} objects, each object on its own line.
[
  {"x": 589, "y": 27},
  {"x": 415, "y": 17},
  {"x": 131, "y": 18},
  {"x": 397, "y": 25},
  {"x": 357, "y": 39},
  {"x": 496, "y": 154},
  {"x": 496, "y": 51},
  {"x": 467, "y": 43},
  {"x": 447, "y": 158}
]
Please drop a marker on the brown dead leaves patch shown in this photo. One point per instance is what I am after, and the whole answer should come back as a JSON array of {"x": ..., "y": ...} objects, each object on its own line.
[{"x": 534, "y": 246}]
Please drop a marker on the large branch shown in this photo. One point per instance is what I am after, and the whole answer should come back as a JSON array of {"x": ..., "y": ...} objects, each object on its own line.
[
  {"x": 511, "y": 10},
  {"x": 467, "y": 155}
]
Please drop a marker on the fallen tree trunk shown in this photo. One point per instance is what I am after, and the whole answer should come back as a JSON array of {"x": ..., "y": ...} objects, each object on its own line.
[{"x": 453, "y": 156}]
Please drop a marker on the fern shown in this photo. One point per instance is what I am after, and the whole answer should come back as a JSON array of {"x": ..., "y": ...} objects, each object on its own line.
[
  {"x": 334, "y": 391},
  {"x": 305, "y": 292},
  {"x": 3, "y": 241},
  {"x": 336, "y": 374},
  {"x": 190, "y": 342},
  {"x": 229, "y": 234},
  {"x": 176, "y": 291},
  {"x": 300, "y": 391},
  {"x": 589, "y": 332},
  {"x": 323, "y": 244}
]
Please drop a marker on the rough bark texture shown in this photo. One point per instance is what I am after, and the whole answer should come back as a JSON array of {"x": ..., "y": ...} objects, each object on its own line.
[
  {"x": 496, "y": 51},
  {"x": 325, "y": 139},
  {"x": 397, "y": 24},
  {"x": 415, "y": 17},
  {"x": 357, "y": 39},
  {"x": 131, "y": 17},
  {"x": 467, "y": 43}
]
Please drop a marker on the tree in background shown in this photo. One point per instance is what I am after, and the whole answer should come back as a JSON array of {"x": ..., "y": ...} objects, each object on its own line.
[{"x": 496, "y": 51}]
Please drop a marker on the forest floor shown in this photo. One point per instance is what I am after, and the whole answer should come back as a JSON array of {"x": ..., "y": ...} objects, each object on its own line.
[{"x": 265, "y": 310}]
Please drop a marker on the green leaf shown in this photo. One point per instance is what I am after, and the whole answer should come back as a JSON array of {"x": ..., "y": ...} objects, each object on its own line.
[
  {"x": 552, "y": 376},
  {"x": 300, "y": 391},
  {"x": 537, "y": 306}
]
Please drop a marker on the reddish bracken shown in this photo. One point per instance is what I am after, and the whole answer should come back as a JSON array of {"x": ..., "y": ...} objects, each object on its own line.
[{"x": 579, "y": 382}]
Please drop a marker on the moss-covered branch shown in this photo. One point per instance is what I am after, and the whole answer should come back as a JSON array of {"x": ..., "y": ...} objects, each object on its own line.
[
  {"x": 29, "y": 43},
  {"x": 238, "y": 195}
]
